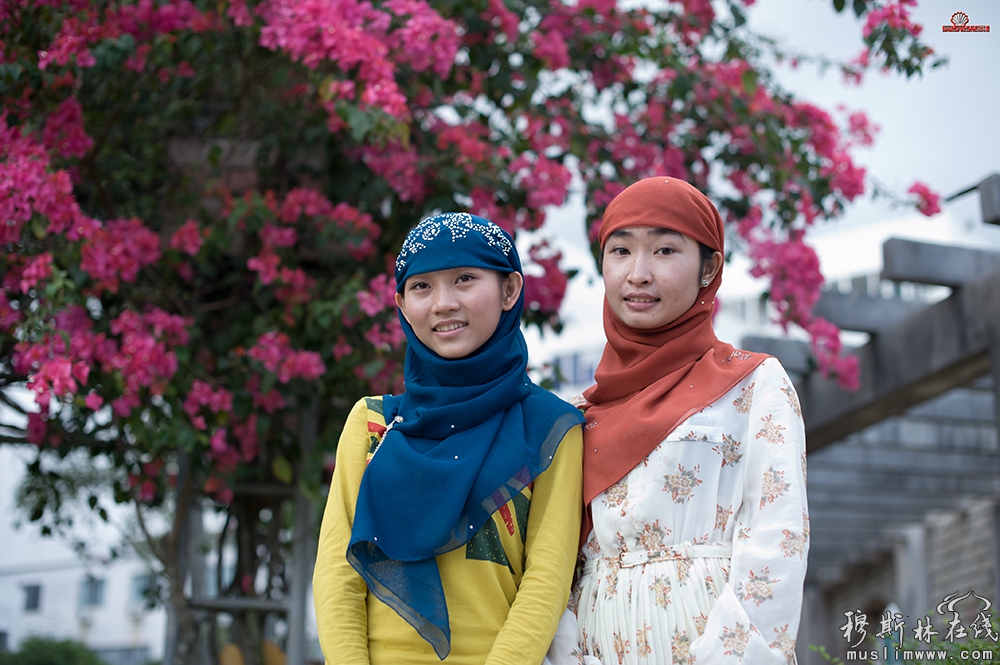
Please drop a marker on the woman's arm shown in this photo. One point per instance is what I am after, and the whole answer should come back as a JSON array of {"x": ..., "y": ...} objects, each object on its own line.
[
  {"x": 550, "y": 556},
  {"x": 339, "y": 592},
  {"x": 756, "y": 617}
]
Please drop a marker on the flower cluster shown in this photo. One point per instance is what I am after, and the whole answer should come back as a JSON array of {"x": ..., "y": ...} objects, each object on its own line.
[
  {"x": 203, "y": 395},
  {"x": 895, "y": 15},
  {"x": 116, "y": 251},
  {"x": 64, "y": 131},
  {"x": 380, "y": 295},
  {"x": 928, "y": 202},
  {"x": 276, "y": 354},
  {"x": 399, "y": 166},
  {"x": 355, "y": 36},
  {"x": 545, "y": 293},
  {"x": 827, "y": 348},
  {"x": 187, "y": 238},
  {"x": 28, "y": 185},
  {"x": 546, "y": 181},
  {"x": 793, "y": 270}
]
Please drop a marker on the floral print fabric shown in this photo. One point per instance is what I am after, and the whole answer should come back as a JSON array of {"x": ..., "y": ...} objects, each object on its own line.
[{"x": 658, "y": 585}]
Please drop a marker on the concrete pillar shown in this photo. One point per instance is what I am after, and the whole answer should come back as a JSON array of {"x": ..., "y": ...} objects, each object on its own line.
[
  {"x": 912, "y": 573},
  {"x": 813, "y": 628},
  {"x": 303, "y": 546}
]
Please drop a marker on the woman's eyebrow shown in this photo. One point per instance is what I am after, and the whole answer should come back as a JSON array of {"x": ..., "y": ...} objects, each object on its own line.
[
  {"x": 654, "y": 231},
  {"x": 657, "y": 231}
]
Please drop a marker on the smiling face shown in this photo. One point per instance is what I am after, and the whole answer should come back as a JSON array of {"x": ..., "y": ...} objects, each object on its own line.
[
  {"x": 455, "y": 311},
  {"x": 653, "y": 275}
]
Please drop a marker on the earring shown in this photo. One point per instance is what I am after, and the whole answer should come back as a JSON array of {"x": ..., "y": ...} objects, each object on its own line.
[{"x": 704, "y": 282}]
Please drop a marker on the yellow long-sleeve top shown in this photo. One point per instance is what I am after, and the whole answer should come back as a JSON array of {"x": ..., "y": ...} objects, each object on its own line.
[{"x": 505, "y": 589}]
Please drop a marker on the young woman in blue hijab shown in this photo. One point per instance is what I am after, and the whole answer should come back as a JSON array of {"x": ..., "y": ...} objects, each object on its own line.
[{"x": 450, "y": 532}]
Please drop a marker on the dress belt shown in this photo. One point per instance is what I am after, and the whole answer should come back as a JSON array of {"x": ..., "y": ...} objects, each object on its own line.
[{"x": 684, "y": 551}]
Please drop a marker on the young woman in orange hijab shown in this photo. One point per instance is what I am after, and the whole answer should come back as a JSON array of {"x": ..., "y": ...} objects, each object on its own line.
[{"x": 697, "y": 529}]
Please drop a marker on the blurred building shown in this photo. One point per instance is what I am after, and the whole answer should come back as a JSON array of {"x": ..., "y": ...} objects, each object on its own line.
[{"x": 47, "y": 589}]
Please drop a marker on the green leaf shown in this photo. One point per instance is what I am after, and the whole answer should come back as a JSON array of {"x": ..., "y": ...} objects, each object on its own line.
[
  {"x": 214, "y": 154},
  {"x": 749, "y": 79},
  {"x": 360, "y": 122},
  {"x": 739, "y": 18},
  {"x": 839, "y": 5},
  {"x": 282, "y": 469},
  {"x": 859, "y": 7}
]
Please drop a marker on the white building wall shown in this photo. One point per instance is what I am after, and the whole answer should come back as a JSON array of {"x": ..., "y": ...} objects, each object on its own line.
[{"x": 27, "y": 558}]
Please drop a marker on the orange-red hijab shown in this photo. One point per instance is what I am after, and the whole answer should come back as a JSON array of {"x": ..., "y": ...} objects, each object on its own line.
[{"x": 649, "y": 381}]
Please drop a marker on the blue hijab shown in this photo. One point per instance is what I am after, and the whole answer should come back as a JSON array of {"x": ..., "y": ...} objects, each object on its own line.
[{"x": 466, "y": 436}]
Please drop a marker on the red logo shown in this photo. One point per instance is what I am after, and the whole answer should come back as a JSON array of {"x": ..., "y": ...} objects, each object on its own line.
[{"x": 960, "y": 23}]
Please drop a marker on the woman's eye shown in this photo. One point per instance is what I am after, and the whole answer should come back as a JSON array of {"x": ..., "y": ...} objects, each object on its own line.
[
  {"x": 465, "y": 278},
  {"x": 418, "y": 286},
  {"x": 619, "y": 251},
  {"x": 667, "y": 250}
]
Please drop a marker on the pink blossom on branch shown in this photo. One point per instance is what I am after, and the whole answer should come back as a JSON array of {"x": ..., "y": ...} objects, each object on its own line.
[
  {"x": 426, "y": 40},
  {"x": 64, "y": 132},
  {"x": 274, "y": 351},
  {"x": 36, "y": 428},
  {"x": 270, "y": 401},
  {"x": 928, "y": 202},
  {"x": 503, "y": 20},
  {"x": 552, "y": 50},
  {"x": 265, "y": 264},
  {"x": 895, "y": 15},
  {"x": 861, "y": 129},
  {"x": 38, "y": 269},
  {"x": 188, "y": 238},
  {"x": 9, "y": 317},
  {"x": 545, "y": 293},
  {"x": 203, "y": 395},
  {"x": 828, "y": 350},
  {"x": 399, "y": 166},
  {"x": 381, "y": 295},
  {"x": 118, "y": 251},
  {"x": 274, "y": 236},
  {"x": 545, "y": 180},
  {"x": 93, "y": 401},
  {"x": 793, "y": 270},
  {"x": 355, "y": 36},
  {"x": 72, "y": 42},
  {"x": 225, "y": 456},
  {"x": 28, "y": 185},
  {"x": 56, "y": 375}
]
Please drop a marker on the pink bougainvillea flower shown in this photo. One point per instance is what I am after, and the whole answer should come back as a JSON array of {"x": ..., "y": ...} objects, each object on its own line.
[
  {"x": 928, "y": 202},
  {"x": 274, "y": 351},
  {"x": 94, "y": 402},
  {"x": 117, "y": 252},
  {"x": 188, "y": 238},
  {"x": 64, "y": 131},
  {"x": 37, "y": 270}
]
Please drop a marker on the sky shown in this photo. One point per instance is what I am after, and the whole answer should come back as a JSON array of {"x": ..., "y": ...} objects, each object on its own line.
[{"x": 942, "y": 128}]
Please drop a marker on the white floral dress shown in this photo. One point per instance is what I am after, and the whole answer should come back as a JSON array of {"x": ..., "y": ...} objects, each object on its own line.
[{"x": 698, "y": 555}]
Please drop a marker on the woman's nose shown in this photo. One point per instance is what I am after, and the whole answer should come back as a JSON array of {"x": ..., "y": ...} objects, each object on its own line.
[
  {"x": 639, "y": 272},
  {"x": 445, "y": 300}
]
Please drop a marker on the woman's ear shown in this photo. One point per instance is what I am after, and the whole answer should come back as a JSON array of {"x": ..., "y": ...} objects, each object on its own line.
[
  {"x": 399, "y": 303},
  {"x": 712, "y": 267},
  {"x": 511, "y": 285}
]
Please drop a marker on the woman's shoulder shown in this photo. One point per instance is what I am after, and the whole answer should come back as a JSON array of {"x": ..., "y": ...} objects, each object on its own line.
[
  {"x": 766, "y": 376},
  {"x": 770, "y": 369},
  {"x": 367, "y": 409}
]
